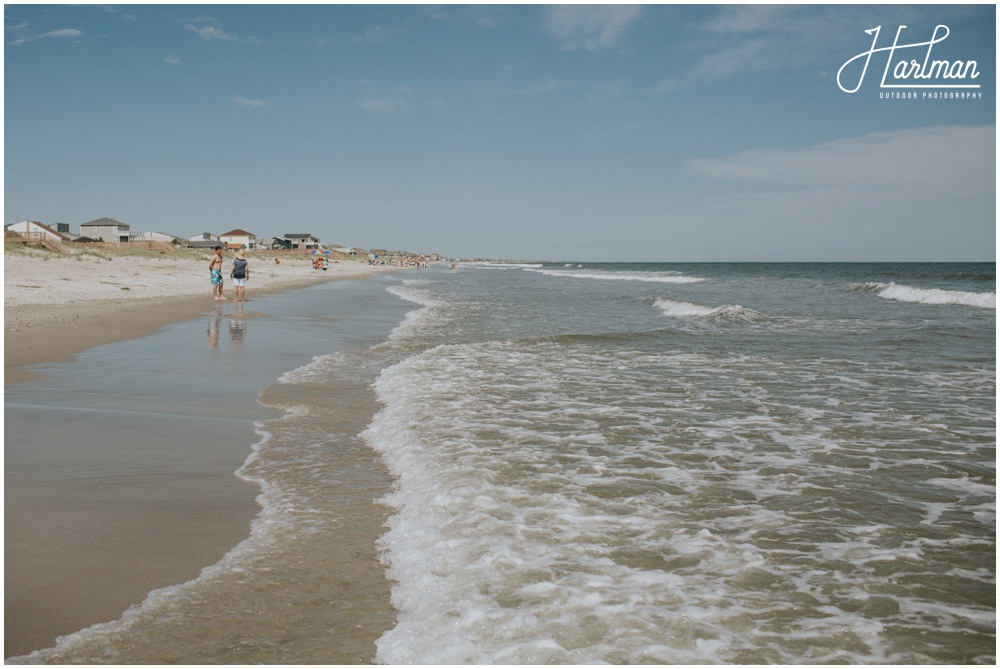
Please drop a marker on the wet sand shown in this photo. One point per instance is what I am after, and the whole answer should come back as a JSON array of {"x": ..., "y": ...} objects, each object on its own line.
[
  {"x": 57, "y": 306},
  {"x": 88, "y": 533}
]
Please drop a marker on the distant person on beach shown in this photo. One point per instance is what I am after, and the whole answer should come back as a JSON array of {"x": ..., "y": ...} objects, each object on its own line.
[
  {"x": 239, "y": 274},
  {"x": 215, "y": 272}
]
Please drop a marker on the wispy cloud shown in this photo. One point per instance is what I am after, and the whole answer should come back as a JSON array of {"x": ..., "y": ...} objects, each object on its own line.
[
  {"x": 112, "y": 9},
  {"x": 922, "y": 181},
  {"x": 171, "y": 60},
  {"x": 207, "y": 29},
  {"x": 209, "y": 33},
  {"x": 249, "y": 102},
  {"x": 545, "y": 85},
  {"x": 480, "y": 16},
  {"x": 378, "y": 34},
  {"x": 745, "y": 39},
  {"x": 590, "y": 27},
  {"x": 396, "y": 101},
  {"x": 897, "y": 159},
  {"x": 62, "y": 33}
]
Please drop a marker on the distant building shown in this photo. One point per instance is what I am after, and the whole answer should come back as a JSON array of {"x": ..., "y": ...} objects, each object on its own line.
[
  {"x": 36, "y": 230},
  {"x": 237, "y": 239},
  {"x": 203, "y": 237},
  {"x": 106, "y": 230},
  {"x": 303, "y": 241},
  {"x": 277, "y": 244},
  {"x": 153, "y": 236},
  {"x": 189, "y": 244}
]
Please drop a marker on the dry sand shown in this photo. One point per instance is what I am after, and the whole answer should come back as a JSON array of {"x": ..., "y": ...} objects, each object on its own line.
[{"x": 55, "y": 306}]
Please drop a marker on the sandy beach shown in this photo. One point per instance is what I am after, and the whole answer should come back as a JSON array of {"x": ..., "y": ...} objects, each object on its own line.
[
  {"x": 83, "y": 551},
  {"x": 55, "y": 306}
]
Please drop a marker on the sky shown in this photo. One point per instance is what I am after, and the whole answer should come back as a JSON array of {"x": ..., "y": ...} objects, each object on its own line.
[{"x": 566, "y": 132}]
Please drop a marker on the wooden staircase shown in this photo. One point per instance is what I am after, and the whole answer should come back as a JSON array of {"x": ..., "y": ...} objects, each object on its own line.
[{"x": 53, "y": 246}]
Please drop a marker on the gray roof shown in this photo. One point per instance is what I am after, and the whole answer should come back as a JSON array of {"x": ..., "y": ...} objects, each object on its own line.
[{"x": 104, "y": 222}]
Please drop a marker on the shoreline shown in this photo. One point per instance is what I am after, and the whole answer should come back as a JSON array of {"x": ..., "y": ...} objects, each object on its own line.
[
  {"x": 47, "y": 326},
  {"x": 44, "y": 327}
]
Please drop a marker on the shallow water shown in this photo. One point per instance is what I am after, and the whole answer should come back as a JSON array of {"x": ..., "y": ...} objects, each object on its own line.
[
  {"x": 705, "y": 463},
  {"x": 138, "y": 471},
  {"x": 688, "y": 464}
]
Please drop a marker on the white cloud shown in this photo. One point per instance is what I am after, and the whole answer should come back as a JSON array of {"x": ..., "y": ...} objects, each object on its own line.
[
  {"x": 590, "y": 27},
  {"x": 209, "y": 32},
  {"x": 481, "y": 16},
  {"x": 249, "y": 102},
  {"x": 64, "y": 32},
  {"x": 936, "y": 161},
  {"x": 741, "y": 39},
  {"x": 922, "y": 194},
  {"x": 171, "y": 60}
]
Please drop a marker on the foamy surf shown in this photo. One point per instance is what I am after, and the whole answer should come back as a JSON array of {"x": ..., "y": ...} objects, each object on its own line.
[
  {"x": 578, "y": 479},
  {"x": 689, "y": 310},
  {"x": 578, "y": 484},
  {"x": 604, "y": 275},
  {"x": 901, "y": 293}
]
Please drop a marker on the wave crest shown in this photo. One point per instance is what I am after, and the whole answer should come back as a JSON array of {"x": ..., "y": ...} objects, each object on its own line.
[
  {"x": 728, "y": 312},
  {"x": 901, "y": 293},
  {"x": 656, "y": 277}
]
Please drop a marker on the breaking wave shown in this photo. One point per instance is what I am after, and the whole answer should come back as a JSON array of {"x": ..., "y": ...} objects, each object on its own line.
[
  {"x": 725, "y": 312},
  {"x": 901, "y": 293},
  {"x": 656, "y": 277}
]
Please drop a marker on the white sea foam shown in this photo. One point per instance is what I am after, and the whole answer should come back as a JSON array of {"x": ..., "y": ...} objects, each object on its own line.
[
  {"x": 686, "y": 309},
  {"x": 901, "y": 293},
  {"x": 605, "y": 275},
  {"x": 504, "y": 265},
  {"x": 414, "y": 320},
  {"x": 569, "y": 505},
  {"x": 317, "y": 370}
]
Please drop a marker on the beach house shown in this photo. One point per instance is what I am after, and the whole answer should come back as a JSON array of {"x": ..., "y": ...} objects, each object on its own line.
[
  {"x": 106, "y": 230},
  {"x": 154, "y": 236},
  {"x": 38, "y": 231},
  {"x": 302, "y": 241},
  {"x": 237, "y": 239},
  {"x": 276, "y": 244}
]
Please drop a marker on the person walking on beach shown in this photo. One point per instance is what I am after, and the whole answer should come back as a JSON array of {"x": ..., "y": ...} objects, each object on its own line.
[
  {"x": 239, "y": 275},
  {"x": 215, "y": 272}
]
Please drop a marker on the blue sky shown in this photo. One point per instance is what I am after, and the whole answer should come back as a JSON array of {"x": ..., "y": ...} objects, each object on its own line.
[{"x": 586, "y": 132}]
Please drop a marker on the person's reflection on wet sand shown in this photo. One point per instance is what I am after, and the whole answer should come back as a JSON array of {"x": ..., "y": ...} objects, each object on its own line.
[{"x": 237, "y": 330}]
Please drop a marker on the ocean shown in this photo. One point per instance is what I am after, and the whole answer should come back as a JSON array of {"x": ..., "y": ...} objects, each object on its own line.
[{"x": 578, "y": 463}]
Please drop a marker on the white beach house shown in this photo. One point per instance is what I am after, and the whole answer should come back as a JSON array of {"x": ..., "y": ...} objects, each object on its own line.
[
  {"x": 235, "y": 239},
  {"x": 38, "y": 231}
]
